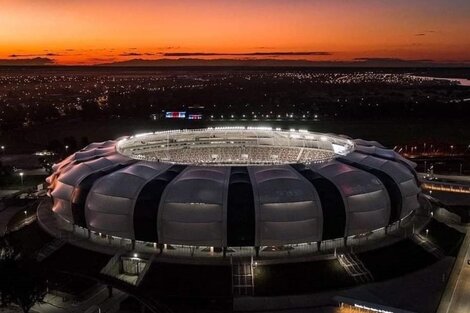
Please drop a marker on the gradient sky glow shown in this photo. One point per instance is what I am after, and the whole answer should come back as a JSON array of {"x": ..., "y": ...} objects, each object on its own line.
[{"x": 89, "y": 32}]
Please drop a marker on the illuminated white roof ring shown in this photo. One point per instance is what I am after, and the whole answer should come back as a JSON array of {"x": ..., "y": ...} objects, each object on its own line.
[{"x": 235, "y": 146}]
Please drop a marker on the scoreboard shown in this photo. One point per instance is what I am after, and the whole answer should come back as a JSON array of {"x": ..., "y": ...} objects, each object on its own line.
[
  {"x": 195, "y": 117},
  {"x": 174, "y": 114}
]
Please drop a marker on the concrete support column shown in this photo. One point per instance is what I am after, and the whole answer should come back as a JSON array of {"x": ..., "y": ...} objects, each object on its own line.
[{"x": 110, "y": 291}]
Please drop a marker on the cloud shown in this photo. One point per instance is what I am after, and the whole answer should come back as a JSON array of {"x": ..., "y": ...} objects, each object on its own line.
[
  {"x": 130, "y": 54},
  {"x": 425, "y": 32},
  {"x": 50, "y": 54},
  {"x": 134, "y": 54},
  {"x": 169, "y": 48},
  {"x": 276, "y": 53},
  {"x": 390, "y": 59},
  {"x": 101, "y": 59},
  {"x": 26, "y": 61},
  {"x": 393, "y": 62}
]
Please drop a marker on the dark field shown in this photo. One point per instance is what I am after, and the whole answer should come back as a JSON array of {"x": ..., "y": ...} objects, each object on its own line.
[
  {"x": 388, "y": 132},
  {"x": 44, "y": 107}
]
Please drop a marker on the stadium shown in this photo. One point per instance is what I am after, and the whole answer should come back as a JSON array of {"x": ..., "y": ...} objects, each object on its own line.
[{"x": 233, "y": 191}]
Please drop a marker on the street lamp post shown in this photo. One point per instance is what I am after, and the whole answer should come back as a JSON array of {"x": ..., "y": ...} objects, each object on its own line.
[
  {"x": 21, "y": 176},
  {"x": 3, "y": 149}
]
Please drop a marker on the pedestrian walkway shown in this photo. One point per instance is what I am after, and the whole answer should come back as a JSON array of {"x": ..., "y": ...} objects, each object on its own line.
[
  {"x": 99, "y": 301},
  {"x": 428, "y": 245},
  {"x": 116, "y": 265},
  {"x": 243, "y": 282},
  {"x": 355, "y": 268},
  {"x": 49, "y": 248},
  {"x": 456, "y": 298},
  {"x": 6, "y": 215}
]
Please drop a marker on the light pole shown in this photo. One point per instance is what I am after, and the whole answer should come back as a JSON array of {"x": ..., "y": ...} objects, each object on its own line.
[
  {"x": 21, "y": 176},
  {"x": 3, "y": 149}
]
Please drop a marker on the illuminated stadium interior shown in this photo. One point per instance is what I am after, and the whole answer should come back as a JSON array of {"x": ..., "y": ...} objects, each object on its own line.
[{"x": 235, "y": 146}]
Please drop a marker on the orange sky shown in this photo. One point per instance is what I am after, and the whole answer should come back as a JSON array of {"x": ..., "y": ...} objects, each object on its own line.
[{"x": 90, "y": 32}]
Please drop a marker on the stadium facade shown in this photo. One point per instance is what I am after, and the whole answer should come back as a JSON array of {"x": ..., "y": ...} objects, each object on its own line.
[{"x": 234, "y": 187}]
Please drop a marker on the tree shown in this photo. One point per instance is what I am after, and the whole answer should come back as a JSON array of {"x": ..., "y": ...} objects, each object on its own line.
[
  {"x": 22, "y": 282},
  {"x": 29, "y": 287},
  {"x": 7, "y": 257}
]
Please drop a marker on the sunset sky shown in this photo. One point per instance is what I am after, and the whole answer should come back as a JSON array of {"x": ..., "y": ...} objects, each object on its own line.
[{"x": 100, "y": 31}]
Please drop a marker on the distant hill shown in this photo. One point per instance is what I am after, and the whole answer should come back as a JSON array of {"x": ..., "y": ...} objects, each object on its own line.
[
  {"x": 211, "y": 62},
  {"x": 360, "y": 62},
  {"x": 26, "y": 62}
]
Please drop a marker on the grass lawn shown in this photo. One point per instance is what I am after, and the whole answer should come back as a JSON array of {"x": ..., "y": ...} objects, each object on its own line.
[
  {"x": 70, "y": 258},
  {"x": 296, "y": 278},
  {"x": 73, "y": 285},
  {"x": 447, "y": 238},
  {"x": 29, "y": 239},
  {"x": 396, "y": 260},
  {"x": 194, "y": 281},
  {"x": 13, "y": 182}
]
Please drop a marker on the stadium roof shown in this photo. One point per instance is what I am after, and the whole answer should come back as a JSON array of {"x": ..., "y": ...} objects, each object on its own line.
[{"x": 104, "y": 190}]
